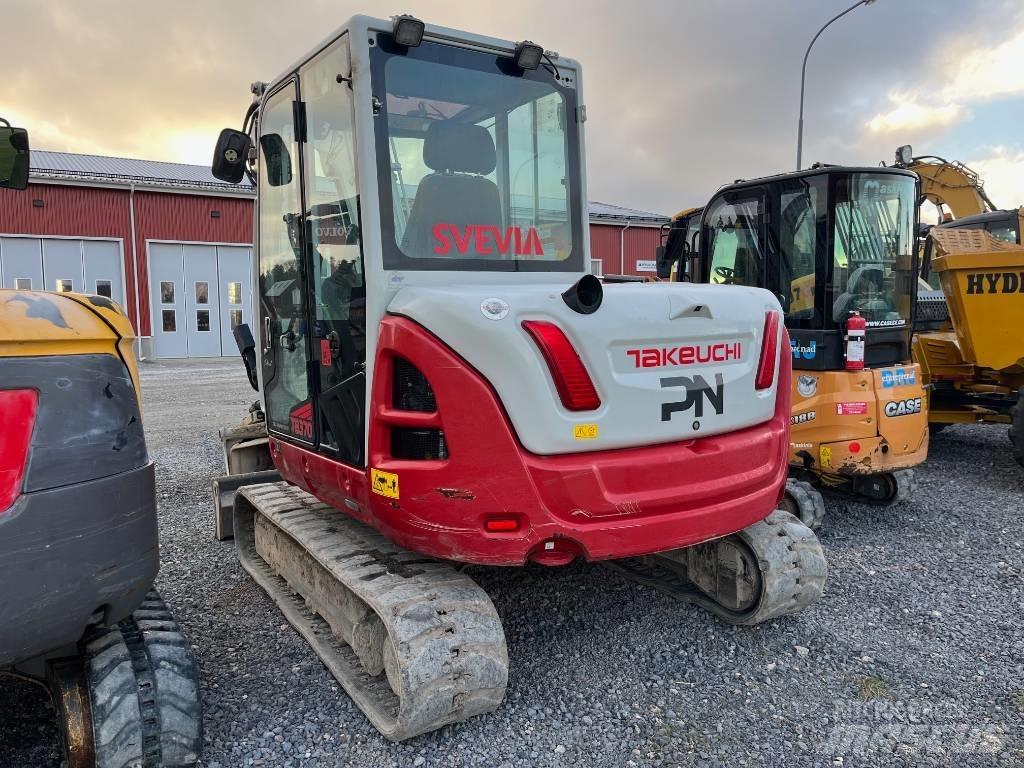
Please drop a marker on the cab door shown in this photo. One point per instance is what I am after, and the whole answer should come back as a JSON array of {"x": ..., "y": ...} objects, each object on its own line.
[
  {"x": 283, "y": 327},
  {"x": 335, "y": 255}
]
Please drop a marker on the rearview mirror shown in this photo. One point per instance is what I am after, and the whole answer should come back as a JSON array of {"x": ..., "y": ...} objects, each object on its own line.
[
  {"x": 230, "y": 155},
  {"x": 247, "y": 349},
  {"x": 277, "y": 163},
  {"x": 14, "y": 157}
]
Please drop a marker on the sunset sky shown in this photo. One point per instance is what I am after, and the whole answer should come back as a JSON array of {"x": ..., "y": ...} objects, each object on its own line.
[{"x": 682, "y": 95}]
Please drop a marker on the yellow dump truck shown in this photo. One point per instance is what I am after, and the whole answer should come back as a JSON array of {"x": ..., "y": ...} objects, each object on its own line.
[
  {"x": 973, "y": 355},
  {"x": 968, "y": 341}
]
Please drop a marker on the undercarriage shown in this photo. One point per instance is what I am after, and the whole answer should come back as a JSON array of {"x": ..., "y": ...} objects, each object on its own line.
[{"x": 417, "y": 644}]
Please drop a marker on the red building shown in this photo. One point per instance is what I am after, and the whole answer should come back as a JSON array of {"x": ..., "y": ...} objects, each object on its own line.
[{"x": 172, "y": 244}]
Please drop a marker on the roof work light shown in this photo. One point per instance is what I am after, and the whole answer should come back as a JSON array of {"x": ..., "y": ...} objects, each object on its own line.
[
  {"x": 528, "y": 55},
  {"x": 407, "y": 30},
  {"x": 904, "y": 155}
]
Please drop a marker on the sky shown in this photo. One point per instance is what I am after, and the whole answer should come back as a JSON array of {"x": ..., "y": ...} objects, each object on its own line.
[{"x": 682, "y": 96}]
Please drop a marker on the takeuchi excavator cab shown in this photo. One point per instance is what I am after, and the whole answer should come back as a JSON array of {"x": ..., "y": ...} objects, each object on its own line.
[{"x": 833, "y": 243}]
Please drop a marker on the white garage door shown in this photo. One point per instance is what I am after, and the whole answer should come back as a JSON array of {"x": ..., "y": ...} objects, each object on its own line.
[
  {"x": 198, "y": 294},
  {"x": 63, "y": 264}
]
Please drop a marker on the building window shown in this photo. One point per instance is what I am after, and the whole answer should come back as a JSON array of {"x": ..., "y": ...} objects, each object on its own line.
[
  {"x": 596, "y": 267},
  {"x": 202, "y": 293},
  {"x": 23, "y": 283},
  {"x": 202, "y": 319},
  {"x": 169, "y": 324},
  {"x": 64, "y": 285},
  {"x": 103, "y": 288},
  {"x": 236, "y": 318},
  {"x": 167, "y": 292},
  {"x": 234, "y": 293}
]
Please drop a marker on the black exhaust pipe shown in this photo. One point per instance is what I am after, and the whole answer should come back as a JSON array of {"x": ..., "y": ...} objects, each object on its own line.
[{"x": 585, "y": 295}]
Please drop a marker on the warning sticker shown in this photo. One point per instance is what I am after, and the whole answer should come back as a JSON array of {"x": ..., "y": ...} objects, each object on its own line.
[
  {"x": 584, "y": 432},
  {"x": 826, "y": 456},
  {"x": 851, "y": 409},
  {"x": 384, "y": 483}
]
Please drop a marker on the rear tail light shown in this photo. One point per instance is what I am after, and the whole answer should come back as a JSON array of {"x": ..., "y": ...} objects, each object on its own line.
[
  {"x": 769, "y": 352},
  {"x": 572, "y": 381},
  {"x": 17, "y": 416}
]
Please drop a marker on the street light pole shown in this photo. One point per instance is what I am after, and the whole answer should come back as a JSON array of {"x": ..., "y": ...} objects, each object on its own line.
[{"x": 803, "y": 75}]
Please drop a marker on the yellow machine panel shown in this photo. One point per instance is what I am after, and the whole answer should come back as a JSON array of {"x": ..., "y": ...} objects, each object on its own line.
[
  {"x": 38, "y": 323},
  {"x": 983, "y": 282}
]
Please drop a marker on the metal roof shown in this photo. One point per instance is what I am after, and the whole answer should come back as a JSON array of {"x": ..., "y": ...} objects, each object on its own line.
[
  {"x": 66, "y": 166},
  {"x": 617, "y": 213}
]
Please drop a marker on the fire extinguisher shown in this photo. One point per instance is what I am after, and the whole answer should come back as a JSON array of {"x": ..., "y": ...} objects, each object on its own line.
[{"x": 856, "y": 328}]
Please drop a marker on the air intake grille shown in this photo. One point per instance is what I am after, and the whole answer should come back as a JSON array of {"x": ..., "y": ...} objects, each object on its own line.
[
  {"x": 932, "y": 310},
  {"x": 412, "y": 391},
  {"x": 418, "y": 444}
]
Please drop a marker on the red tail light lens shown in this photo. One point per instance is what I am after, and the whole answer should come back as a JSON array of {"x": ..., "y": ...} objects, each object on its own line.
[
  {"x": 572, "y": 381},
  {"x": 17, "y": 415},
  {"x": 769, "y": 352}
]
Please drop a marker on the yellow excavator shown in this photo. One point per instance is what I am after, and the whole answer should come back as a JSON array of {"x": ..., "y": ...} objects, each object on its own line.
[
  {"x": 968, "y": 340},
  {"x": 680, "y": 238},
  {"x": 78, "y": 529}
]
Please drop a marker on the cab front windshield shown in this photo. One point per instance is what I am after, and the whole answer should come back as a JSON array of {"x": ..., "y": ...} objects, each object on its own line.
[
  {"x": 873, "y": 248},
  {"x": 476, "y": 162}
]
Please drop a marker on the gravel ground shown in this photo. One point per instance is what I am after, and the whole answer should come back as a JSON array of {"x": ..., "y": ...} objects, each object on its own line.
[{"x": 915, "y": 655}]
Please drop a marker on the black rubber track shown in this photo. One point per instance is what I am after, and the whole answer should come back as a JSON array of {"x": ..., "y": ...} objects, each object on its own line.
[
  {"x": 805, "y": 501},
  {"x": 445, "y": 658},
  {"x": 144, "y": 692},
  {"x": 792, "y": 565}
]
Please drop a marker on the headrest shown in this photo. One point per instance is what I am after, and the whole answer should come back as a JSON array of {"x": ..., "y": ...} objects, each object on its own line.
[{"x": 452, "y": 146}]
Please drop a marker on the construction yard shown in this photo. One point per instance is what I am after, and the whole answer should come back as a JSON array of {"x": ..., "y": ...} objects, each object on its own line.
[{"x": 914, "y": 656}]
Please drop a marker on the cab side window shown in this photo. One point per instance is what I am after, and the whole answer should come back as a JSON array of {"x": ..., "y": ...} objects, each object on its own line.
[
  {"x": 732, "y": 232},
  {"x": 798, "y": 243}
]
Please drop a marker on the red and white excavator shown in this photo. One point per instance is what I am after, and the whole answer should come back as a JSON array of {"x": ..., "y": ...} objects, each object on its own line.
[{"x": 442, "y": 383}]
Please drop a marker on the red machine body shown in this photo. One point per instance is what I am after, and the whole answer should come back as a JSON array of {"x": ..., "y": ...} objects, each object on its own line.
[{"x": 491, "y": 502}]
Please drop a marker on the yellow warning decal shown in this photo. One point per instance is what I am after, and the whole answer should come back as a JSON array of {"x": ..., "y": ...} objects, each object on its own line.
[
  {"x": 584, "y": 432},
  {"x": 384, "y": 483},
  {"x": 826, "y": 456}
]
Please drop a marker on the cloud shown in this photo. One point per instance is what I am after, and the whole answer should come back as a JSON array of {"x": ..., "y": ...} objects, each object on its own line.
[
  {"x": 1002, "y": 171},
  {"x": 678, "y": 101},
  {"x": 977, "y": 74},
  {"x": 908, "y": 114},
  {"x": 986, "y": 73}
]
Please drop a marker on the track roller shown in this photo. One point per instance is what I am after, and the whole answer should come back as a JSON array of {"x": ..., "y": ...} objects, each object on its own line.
[
  {"x": 131, "y": 699},
  {"x": 415, "y": 643},
  {"x": 805, "y": 502},
  {"x": 885, "y": 489},
  {"x": 770, "y": 569}
]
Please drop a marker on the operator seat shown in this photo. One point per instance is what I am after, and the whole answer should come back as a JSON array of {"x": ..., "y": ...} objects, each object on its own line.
[{"x": 457, "y": 192}]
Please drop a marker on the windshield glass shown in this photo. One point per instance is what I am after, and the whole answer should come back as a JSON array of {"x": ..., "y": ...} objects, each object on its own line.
[
  {"x": 873, "y": 248},
  {"x": 477, "y": 162}
]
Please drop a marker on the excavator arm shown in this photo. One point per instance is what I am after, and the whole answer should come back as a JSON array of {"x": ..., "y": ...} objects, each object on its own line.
[{"x": 951, "y": 184}]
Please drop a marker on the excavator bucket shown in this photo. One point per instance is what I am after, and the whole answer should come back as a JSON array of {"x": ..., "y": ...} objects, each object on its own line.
[{"x": 983, "y": 279}]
